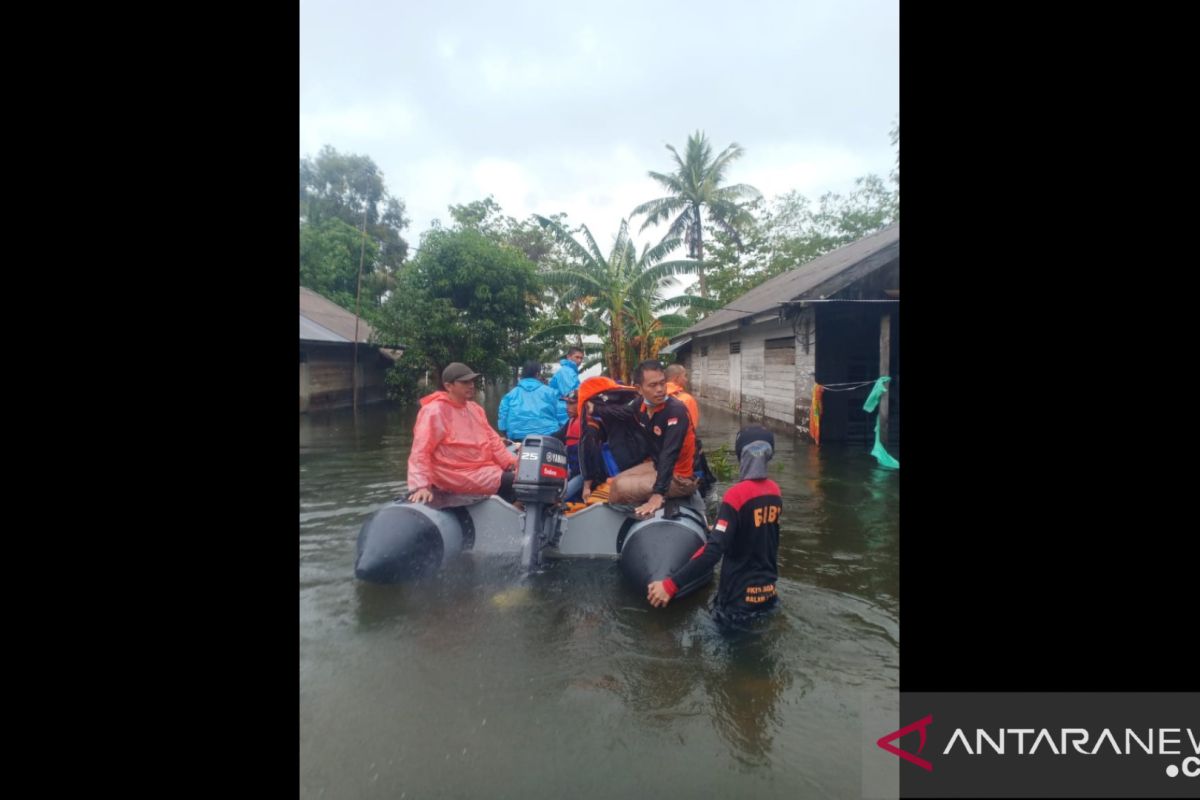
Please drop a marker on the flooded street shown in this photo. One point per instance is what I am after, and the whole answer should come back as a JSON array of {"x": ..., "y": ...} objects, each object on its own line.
[{"x": 483, "y": 683}]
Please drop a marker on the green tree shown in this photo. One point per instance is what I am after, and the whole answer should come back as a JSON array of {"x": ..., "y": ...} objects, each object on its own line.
[
  {"x": 733, "y": 261},
  {"x": 545, "y": 252},
  {"x": 329, "y": 256},
  {"x": 791, "y": 232},
  {"x": 648, "y": 329},
  {"x": 613, "y": 283},
  {"x": 463, "y": 298},
  {"x": 487, "y": 217},
  {"x": 868, "y": 208},
  {"x": 350, "y": 188},
  {"x": 695, "y": 190}
]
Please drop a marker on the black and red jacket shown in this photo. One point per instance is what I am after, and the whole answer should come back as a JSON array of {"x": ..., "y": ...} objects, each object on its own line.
[
  {"x": 746, "y": 534},
  {"x": 668, "y": 427},
  {"x": 613, "y": 424}
]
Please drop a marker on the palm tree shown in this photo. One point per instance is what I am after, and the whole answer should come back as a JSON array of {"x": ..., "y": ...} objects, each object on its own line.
[
  {"x": 648, "y": 329},
  {"x": 696, "y": 184},
  {"x": 614, "y": 283}
]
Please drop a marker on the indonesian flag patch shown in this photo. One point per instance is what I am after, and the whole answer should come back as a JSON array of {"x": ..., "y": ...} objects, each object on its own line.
[
  {"x": 721, "y": 525},
  {"x": 657, "y": 431},
  {"x": 672, "y": 421}
]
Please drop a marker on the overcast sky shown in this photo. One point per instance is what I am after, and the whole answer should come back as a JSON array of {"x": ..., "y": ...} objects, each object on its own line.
[{"x": 564, "y": 106}]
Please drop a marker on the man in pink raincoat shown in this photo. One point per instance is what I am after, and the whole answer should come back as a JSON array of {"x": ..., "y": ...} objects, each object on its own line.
[{"x": 454, "y": 448}]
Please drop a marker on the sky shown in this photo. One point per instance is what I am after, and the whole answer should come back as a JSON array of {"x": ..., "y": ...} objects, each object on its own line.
[{"x": 566, "y": 106}]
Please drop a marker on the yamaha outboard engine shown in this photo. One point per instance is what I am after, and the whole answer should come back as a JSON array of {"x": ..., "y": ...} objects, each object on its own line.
[
  {"x": 654, "y": 548},
  {"x": 540, "y": 484}
]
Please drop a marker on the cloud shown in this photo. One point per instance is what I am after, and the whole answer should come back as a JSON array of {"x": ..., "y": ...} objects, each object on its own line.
[
  {"x": 549, "y": 109},
  {"x": 374, "y": 123}
]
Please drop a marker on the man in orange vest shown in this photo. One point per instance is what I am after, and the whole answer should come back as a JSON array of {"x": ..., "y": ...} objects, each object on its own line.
[
  {"x": 677, "y": 384},
  {"x": 667, "y": 426}
]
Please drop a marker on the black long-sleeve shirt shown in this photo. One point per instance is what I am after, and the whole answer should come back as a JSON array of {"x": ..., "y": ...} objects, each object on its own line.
[
  {"x": 668, "y": 427},
  {"x": 746, "y": 535}
]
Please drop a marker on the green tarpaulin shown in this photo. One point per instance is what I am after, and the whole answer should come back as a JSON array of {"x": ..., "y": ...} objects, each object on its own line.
[{"x": 881, "y": 454}]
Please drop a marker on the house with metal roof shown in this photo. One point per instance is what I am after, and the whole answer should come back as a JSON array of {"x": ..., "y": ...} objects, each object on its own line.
[
  {"x": 834, "y": 322},
  {"x": 328, "y": 376}
]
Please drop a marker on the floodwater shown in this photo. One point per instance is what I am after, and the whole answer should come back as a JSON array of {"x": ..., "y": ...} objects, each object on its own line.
[{"x": 484, "y": 683}]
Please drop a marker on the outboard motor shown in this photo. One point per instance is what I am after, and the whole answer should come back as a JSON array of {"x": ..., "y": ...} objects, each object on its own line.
[
  {"x": 652, "y": 549},
  {"x": 540, "y": 484}
]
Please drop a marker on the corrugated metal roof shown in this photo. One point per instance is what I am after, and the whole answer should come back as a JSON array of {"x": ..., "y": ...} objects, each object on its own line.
[
  {"x": 312, "y": 332},
  {"x": 331, "y": 318},
  {"x": 671, "y": 348},
  {"x": 812, "y": 279}
]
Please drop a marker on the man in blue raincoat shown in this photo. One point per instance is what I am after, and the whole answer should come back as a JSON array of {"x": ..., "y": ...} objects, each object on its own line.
[
  {"x": 566, "y": 380},
  {"x": 531, "y": 408}
]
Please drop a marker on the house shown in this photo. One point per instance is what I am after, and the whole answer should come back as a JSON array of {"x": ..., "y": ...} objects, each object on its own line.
[
  {"x": 834, "y": 320},
  {"x": 327, "y": 335}
]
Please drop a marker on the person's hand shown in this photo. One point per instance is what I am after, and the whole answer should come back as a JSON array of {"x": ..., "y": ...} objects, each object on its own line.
[
  {"x": 587, "y": 490},
  {"x": 420, "y": 496},
  {"x": 656, "y": 593},
  {"x": 650, "y": 506}
]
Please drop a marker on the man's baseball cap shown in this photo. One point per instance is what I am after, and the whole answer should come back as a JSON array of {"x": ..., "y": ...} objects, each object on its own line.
[{"x": 458, "y": 372}]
